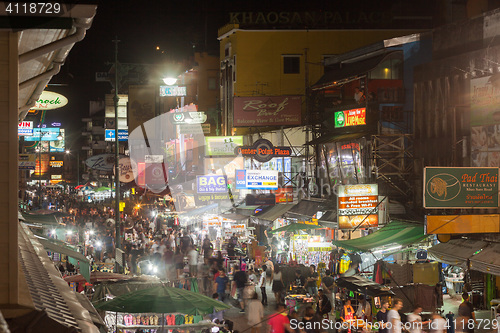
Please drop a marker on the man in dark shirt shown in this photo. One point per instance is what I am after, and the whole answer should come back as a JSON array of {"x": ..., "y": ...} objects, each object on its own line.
[
  {"x": 466, "y": 310},
  {"x": 299, "y": 281},
  {"x": 240, "y": 279},
  {"x": 134, "y": 255},
  {"x": 328, "y": 286},
  {"x": 382, "y": 317},
  {"x": 312, "y": 287}
]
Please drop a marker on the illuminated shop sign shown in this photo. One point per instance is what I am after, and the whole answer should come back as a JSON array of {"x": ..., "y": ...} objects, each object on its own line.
[
  {"x": 25, "y": 128},
  {"x": 56, "y": 164},
  {"x": 222, "y": 145},
  {"x": 358, "y": 204},
  {"x": 263, "y": 151},
  {"x": 352, "y": 117},
  {"x": 211, "y": 184},
  {"x": 257, "y": 179},
  {"x": 173, "y": 91}
]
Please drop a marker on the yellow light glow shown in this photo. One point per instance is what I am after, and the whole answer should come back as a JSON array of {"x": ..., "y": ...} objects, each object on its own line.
[{"x": 157, "y": 48}]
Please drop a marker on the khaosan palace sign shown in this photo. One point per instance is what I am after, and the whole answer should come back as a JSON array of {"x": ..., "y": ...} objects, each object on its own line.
[
  {"x": 267, "y": 111},
  {"x": 352, "y": 117}
]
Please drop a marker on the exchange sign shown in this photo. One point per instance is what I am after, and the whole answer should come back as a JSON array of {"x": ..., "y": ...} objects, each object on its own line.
[
  {"x": 460, "y": 188},
  {"x": 257, "y": 179}
]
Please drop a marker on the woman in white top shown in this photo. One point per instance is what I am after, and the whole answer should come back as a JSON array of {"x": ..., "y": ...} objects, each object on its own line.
[{"x": 393, "y": 317}]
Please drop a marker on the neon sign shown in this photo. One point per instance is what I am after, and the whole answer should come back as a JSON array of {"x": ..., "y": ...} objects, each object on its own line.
[{"x": 352, "y": 117}]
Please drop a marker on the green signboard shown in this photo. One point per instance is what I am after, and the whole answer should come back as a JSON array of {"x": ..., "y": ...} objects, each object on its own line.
[
  {"x": 222, "y": 145},
  {"x": 460, "y": 188}
]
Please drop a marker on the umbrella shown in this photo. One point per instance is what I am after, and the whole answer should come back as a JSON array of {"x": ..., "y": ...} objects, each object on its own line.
[
  {"x": 163, "y": 299},
  {"x": 296, "y": 226},
  {"x": 102, "y": 189},
  {"x": 97, "y": 277}
]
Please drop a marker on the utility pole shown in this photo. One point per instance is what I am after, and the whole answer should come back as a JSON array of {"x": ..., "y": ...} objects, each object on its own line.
[{"x": 117, "y": 154}]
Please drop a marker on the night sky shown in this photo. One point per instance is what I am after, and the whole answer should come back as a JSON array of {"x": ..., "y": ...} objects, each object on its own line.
[{"x": 178, "y": 27}]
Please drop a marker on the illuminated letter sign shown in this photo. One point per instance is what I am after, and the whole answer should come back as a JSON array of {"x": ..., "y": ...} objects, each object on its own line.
[{"x": 352, "y": 117}]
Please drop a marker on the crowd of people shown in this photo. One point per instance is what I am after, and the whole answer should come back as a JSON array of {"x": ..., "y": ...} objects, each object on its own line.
[{"x": 219, "y": 269}]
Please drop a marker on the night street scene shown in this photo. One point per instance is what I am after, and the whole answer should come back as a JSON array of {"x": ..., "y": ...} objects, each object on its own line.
[{"x": 249, "y": 166}]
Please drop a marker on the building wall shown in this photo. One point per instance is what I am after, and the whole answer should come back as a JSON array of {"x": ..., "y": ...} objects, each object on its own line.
[
  {"x": 256, "y": 57},
  {"x": 13, "y": 293},
  {"x": 208, "y": 97}
]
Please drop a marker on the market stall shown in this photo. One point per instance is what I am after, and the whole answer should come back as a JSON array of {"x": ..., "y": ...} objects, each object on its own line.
[{"x": 168, "y": 307}]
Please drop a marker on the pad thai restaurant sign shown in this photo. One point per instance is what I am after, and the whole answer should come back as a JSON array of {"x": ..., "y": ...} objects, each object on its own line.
[{"x": 460, "y": 188}]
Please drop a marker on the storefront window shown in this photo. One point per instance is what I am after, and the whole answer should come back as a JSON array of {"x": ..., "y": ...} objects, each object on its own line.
[
  {"x": 390, "y": 69},
  {"x": 347, "y": 161}
]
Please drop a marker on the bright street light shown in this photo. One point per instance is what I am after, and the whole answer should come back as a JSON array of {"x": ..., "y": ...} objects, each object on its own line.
[{"x": 169, "y": 81}]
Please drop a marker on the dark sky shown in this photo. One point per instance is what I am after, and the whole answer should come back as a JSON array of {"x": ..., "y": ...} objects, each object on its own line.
[{"x": 178, "y": 27}]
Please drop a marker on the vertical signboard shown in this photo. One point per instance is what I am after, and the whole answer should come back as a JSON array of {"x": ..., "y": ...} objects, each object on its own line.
[{"x": 358, "y": 205}]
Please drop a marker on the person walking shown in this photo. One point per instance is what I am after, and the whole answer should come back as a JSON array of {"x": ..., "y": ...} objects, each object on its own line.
[
  {"x": 255, "y": 313},
  {"x": 240, "y": 279},
  {"x": 262, "y": 285},
  {"x": 382, "y": 317},
  {"x": 279, "y": 322},
  {"x": 221, "y": 285},
  {"x": 394, "y": 318},
  {"x": 278, "y": 286}
]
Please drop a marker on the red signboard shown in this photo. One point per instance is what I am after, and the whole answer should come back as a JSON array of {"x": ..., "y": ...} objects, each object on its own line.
[{"x": 267, "y": 111}]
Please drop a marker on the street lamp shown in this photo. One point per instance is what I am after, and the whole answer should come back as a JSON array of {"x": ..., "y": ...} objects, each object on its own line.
[{"x": 169, "y": 81}]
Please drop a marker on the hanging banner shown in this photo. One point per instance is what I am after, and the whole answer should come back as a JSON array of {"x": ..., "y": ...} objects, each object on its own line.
[{"x": 472, "y": 188}]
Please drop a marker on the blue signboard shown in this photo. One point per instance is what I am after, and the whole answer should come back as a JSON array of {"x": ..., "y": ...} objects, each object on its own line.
[
  {"x": 44, "y": 134},
  {"x": 122, "y": 135},
  {"x": 211, "y": 184}
]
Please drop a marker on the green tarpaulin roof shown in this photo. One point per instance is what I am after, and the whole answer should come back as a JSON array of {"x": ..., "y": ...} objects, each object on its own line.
[
  {"x": 396, "y": 232},
  {"x": 75, "y": 258},
  {"x": 40, "y": 218}
]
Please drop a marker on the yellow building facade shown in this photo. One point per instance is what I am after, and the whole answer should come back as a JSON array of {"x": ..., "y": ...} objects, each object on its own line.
[{"x": 280, "y": 62}]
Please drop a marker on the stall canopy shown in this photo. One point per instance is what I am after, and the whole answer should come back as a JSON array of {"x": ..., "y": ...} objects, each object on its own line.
[
  {"x": 362, "y": 285},
  {"x": 487, "y": 261},
  {"x": 274, "y": 212},
  {"x": 309, "y": 208},
  {"x": 292, "y": 227},
  {"x": 456, "y": 251},
  {"x": 75, "y": 258},
  {"x": 163, "y": 299},
  {"x": 45, "y": 219},
  {"x": 329, "y": 219},
  {"x": 396, "y": 232}
]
